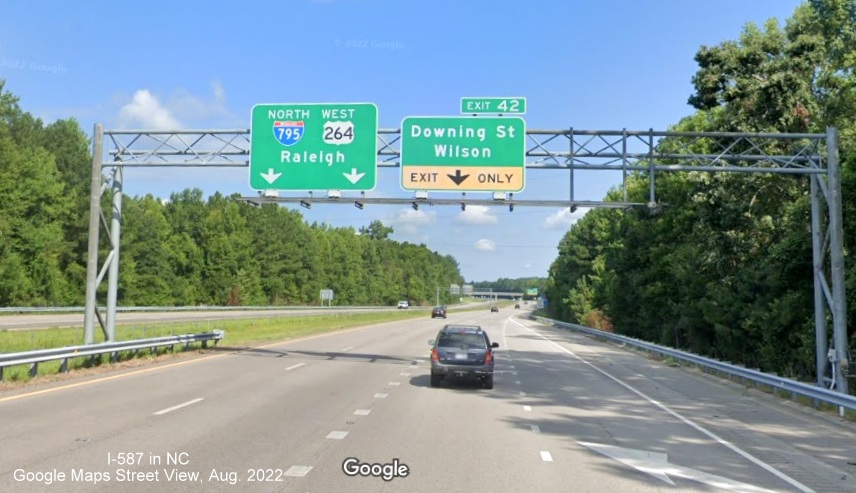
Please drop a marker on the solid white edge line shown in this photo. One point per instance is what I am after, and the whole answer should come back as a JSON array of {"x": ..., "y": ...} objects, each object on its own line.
[
  {"x": 746, "y": 455},
  {"x": 546, "y": 457},
  {"x": 293, "y": 367},
  {"x": 348, "y": 348},
  {"x": 173, "y": 408}
]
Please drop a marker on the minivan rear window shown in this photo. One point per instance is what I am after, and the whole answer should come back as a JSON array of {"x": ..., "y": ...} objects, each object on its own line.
[{"x": 462, "y": 340}]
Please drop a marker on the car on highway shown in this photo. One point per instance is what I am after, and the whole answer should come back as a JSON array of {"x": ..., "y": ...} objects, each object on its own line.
[
  {"x": 402, "y": 305},
  {"x": 462, "y": 351},
  {"x": 494, "y": 309},
  {"x": 438, "y": 311}
]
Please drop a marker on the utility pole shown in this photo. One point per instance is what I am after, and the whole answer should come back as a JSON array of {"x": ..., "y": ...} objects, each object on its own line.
[{"x": 438, "y": 297}]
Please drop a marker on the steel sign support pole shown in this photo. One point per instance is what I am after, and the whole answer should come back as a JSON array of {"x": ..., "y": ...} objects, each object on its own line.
[
  {"x": 115, "y": 241},
  {"x": 818, "y": 271},
  {"x": 94, "y": 230},
  {"x": 836, "y": 254}
]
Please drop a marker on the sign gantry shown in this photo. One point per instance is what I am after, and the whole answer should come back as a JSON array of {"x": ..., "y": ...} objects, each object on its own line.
[{"x": 281, "y": 157}]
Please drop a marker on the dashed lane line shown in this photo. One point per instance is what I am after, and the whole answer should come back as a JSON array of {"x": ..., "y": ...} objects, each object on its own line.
[
  {"x": 175, "y": 408},
  {"x": 298, "y": 471}
]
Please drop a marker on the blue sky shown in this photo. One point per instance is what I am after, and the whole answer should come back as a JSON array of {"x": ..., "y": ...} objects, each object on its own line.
[{"x": 595, "y": 65}]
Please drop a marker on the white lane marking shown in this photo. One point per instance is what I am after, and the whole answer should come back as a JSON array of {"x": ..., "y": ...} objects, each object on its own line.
[
  {"x": 527, "y": 408},
  {"x": 405, "y": 374},
  {"x": 362, "y": 412},
  {"x": 173, "y": 408},
  {"x": 348, "y": 348},
  {"x": 535, "y": 428},
  {"x": 522, "y": 394},
  {"x": 293, "y": 367},
  {"x": 380, "y": 396},
  {"x": 394, "y": 384},
  {"x": 658, "y": 466},
  {"x": 337, "y": 435},
  {"x": 517, "y": 382},
  {"x": 298, "y": 471},
  {"x": 512, "y": 367},
  {"x": 746, "y": 455},
  {"x": 546, "y": 457}
]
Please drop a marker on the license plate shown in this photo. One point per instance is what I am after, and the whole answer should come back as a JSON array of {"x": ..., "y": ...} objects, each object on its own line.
[{"x": 460, "y": 356}]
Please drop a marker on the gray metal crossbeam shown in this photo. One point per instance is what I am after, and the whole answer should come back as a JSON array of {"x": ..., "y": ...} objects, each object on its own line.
[{"x": 575, "y": 149}]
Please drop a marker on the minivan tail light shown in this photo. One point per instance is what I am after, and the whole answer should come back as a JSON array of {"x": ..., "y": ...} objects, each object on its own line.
[{"x": 435, "y": 355}]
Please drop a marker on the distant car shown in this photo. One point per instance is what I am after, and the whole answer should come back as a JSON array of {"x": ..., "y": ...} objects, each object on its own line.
[
  {"x": 517, "y": 305},
  {"x": 403, "y": 305},
  {"x": 494, "y": 309},
  {"x": 438, "y": 311},
  {"x": 462, "y": 351}
]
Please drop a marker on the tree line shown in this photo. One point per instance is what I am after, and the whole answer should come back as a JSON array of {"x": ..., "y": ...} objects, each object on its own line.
[
  {"x": 187, "y": 250},
  {"x": 519, "y": 285},
  {"x": 726, "y": 269}
]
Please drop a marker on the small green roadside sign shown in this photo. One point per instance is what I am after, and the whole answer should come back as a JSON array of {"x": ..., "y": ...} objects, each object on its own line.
[
  {"x": 499, "y": 106},
  {"x": 313, "y": 146}
]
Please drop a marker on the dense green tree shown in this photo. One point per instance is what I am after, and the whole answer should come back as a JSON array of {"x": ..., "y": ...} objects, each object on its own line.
[{"x": 726, "y": 269}]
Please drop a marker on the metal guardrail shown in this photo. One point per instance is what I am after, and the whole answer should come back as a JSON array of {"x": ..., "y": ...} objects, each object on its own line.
[
  {"x": 33, "y": 358},
  {"x": 813, "y": 392}
]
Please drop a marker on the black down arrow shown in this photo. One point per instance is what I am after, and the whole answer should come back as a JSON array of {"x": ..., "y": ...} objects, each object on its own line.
[{"x": 457, "y": 177}]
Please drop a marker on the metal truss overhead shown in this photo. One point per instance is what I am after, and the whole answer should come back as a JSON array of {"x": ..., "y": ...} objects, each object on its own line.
[
  {"x": 647, "y": 153},
  {"x": 559, "y": 149}
]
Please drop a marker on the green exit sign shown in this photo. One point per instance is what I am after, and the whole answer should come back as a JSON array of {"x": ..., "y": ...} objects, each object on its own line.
[
  {"x": 463, "y": 153},
  {"x": 313, "y": 146},
  {"x": 491, "y": 106}
]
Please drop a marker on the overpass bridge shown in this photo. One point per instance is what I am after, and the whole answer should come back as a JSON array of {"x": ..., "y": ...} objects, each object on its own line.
[{"x": 496, "y": 294}]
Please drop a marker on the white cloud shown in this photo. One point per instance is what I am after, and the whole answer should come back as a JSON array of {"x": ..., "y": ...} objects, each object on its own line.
[
  {"x": 410, "y": 222},
  {"x": 476, "y": 215},
  {"x": 564, "y": 219},
  {"x": 146, "y": 110},
  {"x": 485, "y": 245}
]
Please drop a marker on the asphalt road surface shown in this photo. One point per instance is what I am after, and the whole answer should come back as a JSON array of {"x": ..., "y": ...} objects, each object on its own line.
[{"x": 566, "y": 414}]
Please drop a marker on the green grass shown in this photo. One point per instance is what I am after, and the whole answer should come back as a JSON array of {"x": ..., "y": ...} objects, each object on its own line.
[{"x": 239, "y": 334}]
